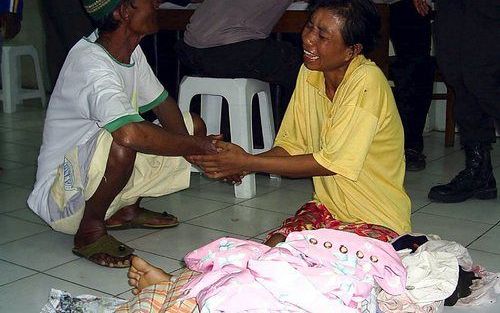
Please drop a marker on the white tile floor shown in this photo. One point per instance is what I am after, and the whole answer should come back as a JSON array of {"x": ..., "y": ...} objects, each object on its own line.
[{"x": 33, "y": 258}]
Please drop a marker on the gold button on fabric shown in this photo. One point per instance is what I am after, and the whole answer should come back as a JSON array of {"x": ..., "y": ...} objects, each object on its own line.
[
  {"x": 360, "y": 254},
  {"x": 343, "y": 249},
  {"x": 313, "y": 241},
  {"x": 374, "y": 259},
  {"x": 327, "y": 244}
]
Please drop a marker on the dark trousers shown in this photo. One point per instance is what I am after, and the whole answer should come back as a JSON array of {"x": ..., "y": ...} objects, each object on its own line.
[
  {"x": 65, "y": 23},
  {"x": 467, "y": 49},
  {"x": 268, "y": 60},
  {"x": 412, "y": 70}
]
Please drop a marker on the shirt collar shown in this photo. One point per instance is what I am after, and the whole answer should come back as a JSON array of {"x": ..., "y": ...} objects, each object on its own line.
[{"x": 317, "y": 80}]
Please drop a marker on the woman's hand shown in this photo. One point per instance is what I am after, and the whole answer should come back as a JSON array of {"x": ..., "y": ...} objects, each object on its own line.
[{"x": 231, "y": 161}]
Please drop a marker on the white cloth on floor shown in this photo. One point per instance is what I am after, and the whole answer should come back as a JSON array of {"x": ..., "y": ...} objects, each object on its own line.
[
  {"x": 431, "y": 276},
  {"x": 484, "y": 290},
  {"x": 460, "y": 252},
  {"x": 402, "y": 304}
]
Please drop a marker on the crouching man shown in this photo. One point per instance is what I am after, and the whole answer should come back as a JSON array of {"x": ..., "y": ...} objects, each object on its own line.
[{"x": 99, "y": 157}]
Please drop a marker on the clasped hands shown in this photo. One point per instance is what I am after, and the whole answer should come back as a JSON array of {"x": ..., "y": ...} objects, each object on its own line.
[{"x": 227, "y": 164}]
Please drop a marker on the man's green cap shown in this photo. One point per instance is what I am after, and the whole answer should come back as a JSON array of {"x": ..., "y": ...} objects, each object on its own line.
[{"x": 98, "y": 9}]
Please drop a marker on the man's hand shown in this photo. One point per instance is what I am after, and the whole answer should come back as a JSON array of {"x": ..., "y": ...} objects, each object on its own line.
[
  {"x": 218, "y": 137},
  {"x": 230, "y": 161},
  {"x": 422, "y": 7},
  {"x": 209, "y": 144}
]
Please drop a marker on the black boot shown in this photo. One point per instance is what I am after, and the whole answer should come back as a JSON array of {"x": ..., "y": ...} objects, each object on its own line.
[
  {"x": 476, "y": 180},
  {"x": 415, "y": 160}
]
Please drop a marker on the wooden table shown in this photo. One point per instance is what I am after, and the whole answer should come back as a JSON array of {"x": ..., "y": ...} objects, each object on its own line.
[{"x": 292, "y": 21}]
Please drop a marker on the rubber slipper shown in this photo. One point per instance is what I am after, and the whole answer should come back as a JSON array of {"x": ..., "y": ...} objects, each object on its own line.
[
  {"x": 142, "y": 220},
  {"x": 109, "y": 246}
]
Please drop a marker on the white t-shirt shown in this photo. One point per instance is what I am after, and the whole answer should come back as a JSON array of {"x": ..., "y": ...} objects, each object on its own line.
[{"x": 93, "y": 91}]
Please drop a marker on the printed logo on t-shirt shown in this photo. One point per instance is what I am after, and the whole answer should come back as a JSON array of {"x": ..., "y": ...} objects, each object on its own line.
[{"x": 69, "y": 177}]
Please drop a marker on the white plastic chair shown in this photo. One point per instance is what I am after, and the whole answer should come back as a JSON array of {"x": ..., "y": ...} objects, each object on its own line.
[{"x": 12, "y": 93}]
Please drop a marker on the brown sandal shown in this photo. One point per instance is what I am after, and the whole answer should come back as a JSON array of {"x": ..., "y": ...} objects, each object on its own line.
[
  {"x": 142, "y": 221},
  {"x": 107, "y": 245}
]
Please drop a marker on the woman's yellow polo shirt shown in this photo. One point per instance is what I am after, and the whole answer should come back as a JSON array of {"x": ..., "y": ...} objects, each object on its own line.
[{"x": 358, "y": 136}]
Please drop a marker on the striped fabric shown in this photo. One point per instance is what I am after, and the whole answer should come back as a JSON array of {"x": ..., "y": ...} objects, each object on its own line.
[{"x": 163, "y": 297}]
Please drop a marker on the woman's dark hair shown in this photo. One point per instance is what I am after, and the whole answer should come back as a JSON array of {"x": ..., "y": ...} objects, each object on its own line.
[
  {"x": 108, "y": 23},
  {"x": 361, "y": 21}
]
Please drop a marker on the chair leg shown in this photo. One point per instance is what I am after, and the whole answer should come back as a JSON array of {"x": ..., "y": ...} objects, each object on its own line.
[
  {"x": 8, "y": 82},
  {"x": 449, "y": 137},
  {"x": 211, "y": 111},
  {"x": 241, "y": 134},
  {"x": 39, "y": 79},
  {"x": 267, "y": 121},
  {"x": 185, "y": 95}
]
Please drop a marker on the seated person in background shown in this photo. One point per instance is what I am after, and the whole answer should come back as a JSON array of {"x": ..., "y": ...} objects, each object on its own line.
[
  {"x": 99, "y": 157},
  {"x": 230, "y": 39},
  {"x": 341, "y": 127}
]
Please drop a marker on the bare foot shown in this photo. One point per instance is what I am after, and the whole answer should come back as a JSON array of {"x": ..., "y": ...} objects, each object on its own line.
[
  {"x": 274, "y": 240},
  {"x": 142, "y": 274}
]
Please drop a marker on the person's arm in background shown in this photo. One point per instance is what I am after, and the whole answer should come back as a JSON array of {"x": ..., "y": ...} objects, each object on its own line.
[
  {"x": 10, "y": 18},
  {"x": 422, "y": 6}
]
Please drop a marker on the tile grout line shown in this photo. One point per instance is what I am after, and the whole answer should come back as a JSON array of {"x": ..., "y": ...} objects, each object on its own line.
[{"x": 484, "y": 233}]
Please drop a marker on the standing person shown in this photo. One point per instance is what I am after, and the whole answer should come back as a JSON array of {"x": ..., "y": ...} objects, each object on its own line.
[
  {"x": 65, "y": 23},
  {"x": 11, "y": 14},
  {"x": 341, "y": 127},
  {"x": 467, "y": 47},
  {"x": 230, "y": 39},
  {"x": 413, "y": 76},
  {"x": 98, "y": 156},
  {"x": 10, "y": 24}
]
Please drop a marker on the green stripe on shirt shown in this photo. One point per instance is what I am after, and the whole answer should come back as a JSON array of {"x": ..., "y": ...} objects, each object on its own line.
[
  {"x": 121, "y": 121},
  {"x": 155, "y": 102}
]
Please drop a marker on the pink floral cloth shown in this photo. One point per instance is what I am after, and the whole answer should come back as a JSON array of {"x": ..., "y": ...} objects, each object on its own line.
[{"x": 313, "y": 271}]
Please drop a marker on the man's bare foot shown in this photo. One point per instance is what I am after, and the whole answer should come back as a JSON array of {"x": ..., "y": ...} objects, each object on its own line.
[
  {"x": 142, "y": 274},
  {"x": 274, "y": 240}
]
